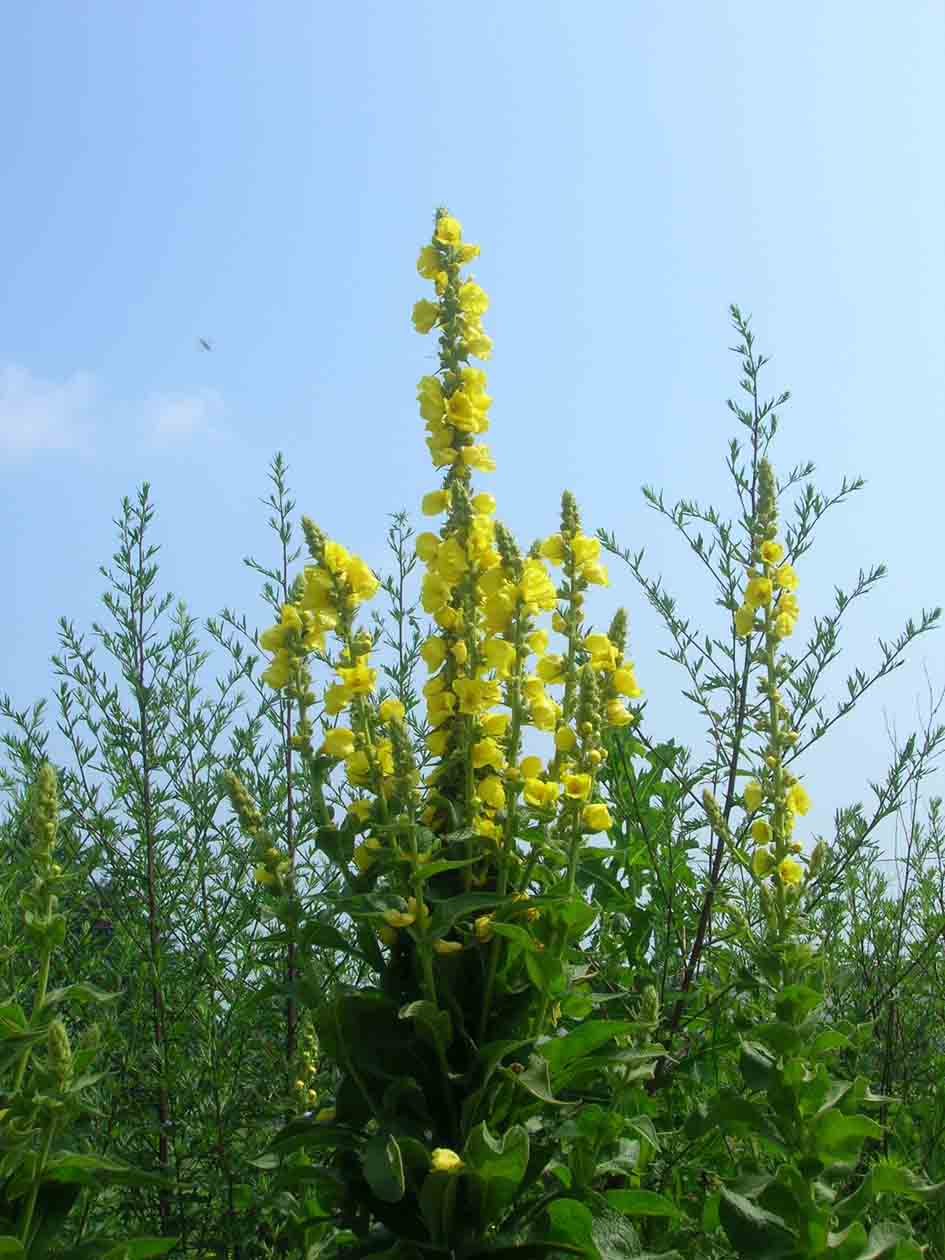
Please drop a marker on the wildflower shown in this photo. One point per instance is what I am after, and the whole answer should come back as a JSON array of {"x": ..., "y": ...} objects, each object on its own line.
[
  {"x": 447, "y": 947},
  {"x": 758, "y": 592},
  {"x": 771, "y": 552},
  {"x": 617, "y": 713},
  {"x": 445, "y": 1160},
  {"x": 486, "y": 752},
  {"x": 596, "y": 817},
  {"x": 625, "y": 682},
  {"x": 576, "y": 786},
  {"x": 744, "y": 621},
  {"x": 435, "y": 502},
  {"x": 540, "y": 795},
  {"x": 433, "y": 652},
  {"x": 761, "y": 831},
  {"x": 531, "y": 767},
  {"x": 426, "y": 547},
  {"x": 786, "y": 578},
  {"x": 551, "y": 668},
  {"x": 565, "y": 739},
  {"x": 495, "y": 724},
  {"x": 753, "y": 796},
  {"x": 553, "y": 549},
  {"x": 359, "y": 679},
  {"x": 338, "y": 743},
  {"x": 425, "y": 314},
  {"x": 763, "y": 862},
  {"x": 595, "y": 573},
  {"x": 491, "y": 791},
  {"x": 365, "y": 855},
  {"x": 499, "y": 654},
  {"x": 398, "y": 918},
  {"x": 790, "y": 871},
  {"x": 361, "y": 809},
  {"x": 428, "y": 264},
  {"x": 483, "y": 928},
  {"x": 472, "y": 299},
  {"x": 391, "y": 710},
  {"x": 448, "y": 230},
  {"x": 796, "y": 799},
  {"x": 537, "y": 641}
]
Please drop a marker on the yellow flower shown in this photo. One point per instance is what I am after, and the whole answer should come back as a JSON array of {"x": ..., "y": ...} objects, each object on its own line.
[
  {"x": 537, "y": 642},
  {"x": 337, "y": 558},
  {"x": 391, "y": 710},
  {"x": 540, "y": 795},
  {"x": 495, "y": 724},
  {"x": 365, "y": 855},
  {"x": 617, "y": 713},
  {"x": 543, "y": 713},
  {"x": 475, "y": 695},
  {"x": 531, "y": 767},
  {"x": 433, "y": 652},
  {"x": 290, "y": 622},
  {"x": 438, "y": 742},
  {"x": 551, "y": 668},
  {"x": 483, "y": 928},
  {"x": 791, "y": 872},
  {"x": 434, "y": 592},
  {"x": 426, "y": 547},
  {"x": 472, "y": 299},
  {"x": 362, "y": 580},
  {"x": 762, "y": 863},
  {"x": 565, "y": 739},
  {"x": 625, "y": 682},
  {"x": 576, "y": 786},
  {"x": 596, "y": 817},
  {"x": 758, "y": 592},
  {"x": 796, "y": 799},
  {"x": 491, "y": 791},
  {"x": 425, "y": 314},
  {"x": 467, "y": 252},
  {"x": 361, "y": 809},
  {"x": 338, "y": 743},
  {"x": 398, "y": 918},
  {"x": 786, "y": 578},
  {"x": 744, "y": 621},
  {"x": 448, "y": 230},
  {"x": 435, "y": 502},
  {"x": 447, "y": 947},
  {"x": 595, "y": 573},
  {"x": 445, "y": 1160},
  {"x": 499, "y": 654},
  {"x": 753, "y": 796},
  {"x": 459, "y": 652},
  {"x": 783, "y": 625},
  {"x": 486, "y": 752},
  {"x": 278, "y": 672},
  {"x": 603, "y": 653},
  {"x": 553, "y": 549},
  {"x": 761, "y": 831},
  {"x": 337, "y": 697},
  {"x": 428, "y": 264},
  {"x": 483, "y": 503},
  {"x": 359, "y": 679},
  {"x": 478, "y": 456},
  {"x": 771, "y": 552},
  {"x": 536, "y": 587},
  {"x": 264, "y": 877}
]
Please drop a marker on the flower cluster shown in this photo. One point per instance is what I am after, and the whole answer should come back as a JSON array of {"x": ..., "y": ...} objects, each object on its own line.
[{"x": 775, "y": 798}]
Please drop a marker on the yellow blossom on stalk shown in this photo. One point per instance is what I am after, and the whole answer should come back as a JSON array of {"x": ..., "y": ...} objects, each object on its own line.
[
  {"x": 543, "y": 713},
  {"x": 484, "y": 503},
  {"x": 551, "y": 668},
  {"x": 476, "y": 695},
  {"x": 447, "y": 947},
  {"x": 391, "y": 710},
  {"x": 495, "y": 724},
  {"x": 553, "y": 549},
  {"x": 565, "y": 739},
  {"x": 758, "y": 592},
  {"x": 339, "y": 743},
  {"x": 762, "y": 863},
  {"x": 596, "y": 817},
  {"x": 486, "y": 752},
  {"x": 786, "y": 578},
  {"x": 541, "y": 795},
  {"x": 576, "y": 786},
  {"x": 753, "y": 796},
  {"x": 796, "y": 799},
  {"x": 425, "y": 315},
  {"x": 398, "y": 918},
  {"x": 426, "y": 547},
  {"x": 491, "y": 791},
  {"x": 595, "y": 573},
  {"x": 361, "y": 809},
  {"x": 531, "y": 767},
  {"x": 499, "y": 655},
  {"x": 744, "y": 621},
  {"x": 584, "y": 549},
  {"x": 483, "y": 928},
  {"x": 448, "y": 230},
  {"x": 428, "y": 264},
  {"x": 771, "y": 551},
  {"x": 478, "y": 456},
  {"x": 433, "y": 652},
  {"x": 617, "y": 713},
  {"x": 365, "y": 855},
  {"x": 761, "y": 831},
  {"x": 603, "y": 653},
  {"x": 625, "y": 682},
  {"x": 359, "y": 679},
  {"x": 537, "y": 641},
  {"x": 434, "y": 503},
  {"x": 790, "y": 871},
  {"x": 472, "y": 299},
  {"x": 445, "y": 1160}
]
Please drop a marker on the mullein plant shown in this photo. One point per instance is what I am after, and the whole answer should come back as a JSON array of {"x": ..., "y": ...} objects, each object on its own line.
[
  {"x": 457, "y": 1070},
  {"x": 46, "y": 1081},
  {"x": 803, "y": 1187}
]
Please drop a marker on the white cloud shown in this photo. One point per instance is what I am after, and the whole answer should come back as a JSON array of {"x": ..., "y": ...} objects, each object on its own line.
[
  {"x": 38, "y": 415},
  {"x": 174, "y": 418}
]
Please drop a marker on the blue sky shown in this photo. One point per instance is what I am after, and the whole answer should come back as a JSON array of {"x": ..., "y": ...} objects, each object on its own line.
[{"x": 263, "y": 175}]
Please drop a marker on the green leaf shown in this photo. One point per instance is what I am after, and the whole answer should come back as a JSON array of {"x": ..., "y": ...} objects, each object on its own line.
[
  {"x": 434, "y": 1025},
  {"x": 583, "y": 1040},
  {"x": 70, "y": 1167},
  {"x": 751, "y": 1230},
  {"x": 535, "y": 1079},
  {"x": 495, "y": 1168},
  {"x": 327, "y": 936},
  {"x": 10, "y": 1248},
  {"x": 384, "y": 1168},
  {"x": 839, "y": 1138},
  {"x": 756, "y": 1065},
  {"x": 795, "y": 1001},
  {"x": 642, "y": 1203},
  {"x": 80, "y": 992}
]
